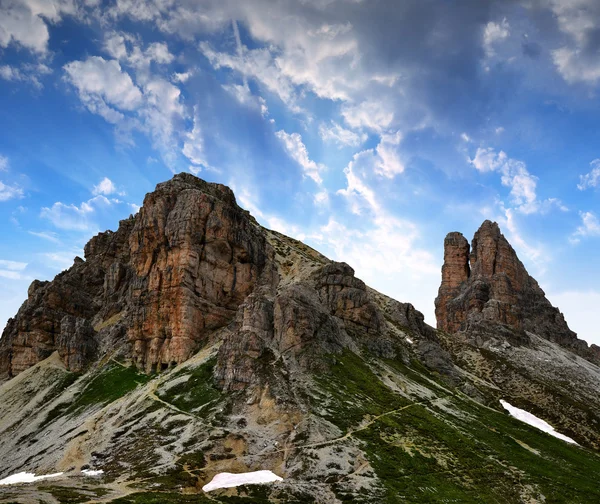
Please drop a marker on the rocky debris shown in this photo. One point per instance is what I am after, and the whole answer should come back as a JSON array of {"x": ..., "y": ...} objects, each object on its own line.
[{"x": 486, "y": 285}]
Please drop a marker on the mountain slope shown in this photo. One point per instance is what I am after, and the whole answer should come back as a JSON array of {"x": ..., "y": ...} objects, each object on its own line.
[{"x": 192, "y": 341}]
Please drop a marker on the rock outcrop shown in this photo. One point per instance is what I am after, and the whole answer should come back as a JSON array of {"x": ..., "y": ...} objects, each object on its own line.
[
  {"x": 153, "y": 290},
  {"x": 486, "y": 284},
  {"x": 189, "y": 268}
]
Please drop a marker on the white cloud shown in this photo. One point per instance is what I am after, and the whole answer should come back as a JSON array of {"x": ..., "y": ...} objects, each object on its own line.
[
  {"x": 486, "y": 159},
  {"x": 258, "y": 64},
  {"x": 385, "y": 161},
  {"x": 514, "y": 174},
  {"x": 321, "y": 198},
  {"x": 297, "y": 151},
  {"x": 25, "y": 73},
  {"x": 3, "y": 163},
  {"x": 46, "y": 235},
  {"x": 357, "y": 192},
  {"x": 341, "y": 136},
  {"x": 494, "y": 33},
  {"x": 574, "y": 66},
  {"x": 193, "y": 147},
  {"x": 23, "y": 22},
  {"x": 181, "y": 76},
  {"x": 536, "y": 254},
  {"x": 577, "y": 59},
  {"x": 11, "y": 275},
  {"x": 591, "y": 179},
  {"x": 105, "y": 186},
  {"x": 590, "y": 226},
  {"x": 8, "y": 192},
  {"x": 371, "y": 114},
  {"x": 11, "y": 269},
  {"x": 63, "y": 259},
  {"x": 72, "y": 217},
  {"x": 109, "y": 91},
  {"x": 102, "y": 81},
  {"x": 12, "y": 265},
  {"x": 127, "y": 49},
  {"x": 389, "y": 163},
  {"x": 244, "y": 96}
]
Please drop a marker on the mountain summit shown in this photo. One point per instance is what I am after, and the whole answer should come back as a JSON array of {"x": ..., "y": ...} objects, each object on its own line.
[
  {"x": 193, "y": 342},
  {"x": 486, "y": 284}
]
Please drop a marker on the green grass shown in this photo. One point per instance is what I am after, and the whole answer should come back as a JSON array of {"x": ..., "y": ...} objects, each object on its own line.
[
  {"x": 425, "y": 454},
  {"x": 73, "y": 496},
  {"x": 112, "y": 382},
  {"x": 199, "y": 392}
]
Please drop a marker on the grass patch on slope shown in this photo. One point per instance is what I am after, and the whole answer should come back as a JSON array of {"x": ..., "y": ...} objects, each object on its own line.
[
  {"x": 102, "y": 387},
  {"x": 197, "y": 392}
]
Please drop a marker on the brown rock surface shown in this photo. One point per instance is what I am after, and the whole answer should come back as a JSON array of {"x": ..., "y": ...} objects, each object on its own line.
[
  {"x": 190, "y": 268},
  {"x": 154, "y": 289},
  {"x": 487, "y": 284}
]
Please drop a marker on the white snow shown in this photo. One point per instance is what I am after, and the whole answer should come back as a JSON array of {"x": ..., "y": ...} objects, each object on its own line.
[
  {"x": 91, "y": 472},
  {"x": 409, "y": 340},
  {"x": 534, "y": 421},
  {"x": 26, "y": 477},
  {"x": 228, "y": 480}
]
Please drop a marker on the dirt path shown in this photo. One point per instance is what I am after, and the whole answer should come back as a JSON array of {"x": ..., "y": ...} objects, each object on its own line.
[{"x": 350, "y": 433}]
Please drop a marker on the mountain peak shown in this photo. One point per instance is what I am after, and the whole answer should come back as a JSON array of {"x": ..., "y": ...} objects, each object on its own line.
[{"x": 486, "y": 283}]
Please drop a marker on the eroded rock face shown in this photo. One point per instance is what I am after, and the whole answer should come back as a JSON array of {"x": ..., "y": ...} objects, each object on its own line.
[
  {"x": 193, "y": 268},
  {"x": 196, "y": 256},
  {"x": 487, "y": 284},
  {"x": 154, "y": 289}
]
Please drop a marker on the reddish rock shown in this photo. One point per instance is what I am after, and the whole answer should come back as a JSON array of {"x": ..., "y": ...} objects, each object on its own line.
[
  {"x": 487, "y": 283},
  {"x": 166, "y": 278},
  {"x": 191, "y": 268}
]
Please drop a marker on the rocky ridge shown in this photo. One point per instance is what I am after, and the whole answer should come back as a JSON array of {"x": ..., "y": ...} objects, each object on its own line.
[{"x": 193, "y": 341}]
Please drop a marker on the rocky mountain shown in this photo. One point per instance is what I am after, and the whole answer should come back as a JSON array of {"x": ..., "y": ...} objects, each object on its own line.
[
  {"x": 486, "y": 285},
  {"x": 192, "y": 341}
]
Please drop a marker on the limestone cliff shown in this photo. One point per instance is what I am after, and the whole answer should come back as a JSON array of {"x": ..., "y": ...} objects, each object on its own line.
[
  {"x": 204, "y": 343},
  {"x": 486, "y": 284},
  {"x": 191, "y": 267},
  {"x": 153, "y": 290}
]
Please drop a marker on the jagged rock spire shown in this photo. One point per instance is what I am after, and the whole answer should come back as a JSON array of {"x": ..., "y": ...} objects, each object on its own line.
[{"x": 488, "y": 283}]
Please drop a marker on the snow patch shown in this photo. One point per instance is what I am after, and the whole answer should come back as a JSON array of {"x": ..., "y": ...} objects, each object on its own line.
[
  {"x": 26, "y": 477},
  {"x": 409, "y": 340},
  {"x": 228, "y": 480},
  {"x": 91, "y": 472},
  {"x": 534, "y": 421}
]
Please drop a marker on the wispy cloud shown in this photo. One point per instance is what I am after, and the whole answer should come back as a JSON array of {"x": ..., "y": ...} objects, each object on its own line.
[
  {"x": 292, "y": 143},
  {"x": 590, "y": 226},
  {"x": 8, "y": 192},
  {"x": 46, "y": 235},
  {"x": 591, "y": 179},
  {"x": 72, "y": 217}
]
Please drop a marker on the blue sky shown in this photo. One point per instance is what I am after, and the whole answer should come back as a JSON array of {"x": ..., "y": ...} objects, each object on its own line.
[{"x": 367, "y": 128}]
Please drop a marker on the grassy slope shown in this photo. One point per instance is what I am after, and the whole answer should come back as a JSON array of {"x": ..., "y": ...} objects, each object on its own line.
[{"x": 422, "y": 453}]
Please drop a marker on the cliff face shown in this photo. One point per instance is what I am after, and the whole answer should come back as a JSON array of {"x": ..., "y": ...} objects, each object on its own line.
[
  {"x": 288, "y": 362},
  {"x": 192, "y": 266},
  {"x": 486, "y": 284},
  {"x": 153, "y": 290}
]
